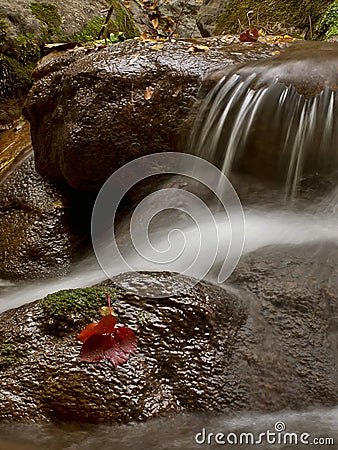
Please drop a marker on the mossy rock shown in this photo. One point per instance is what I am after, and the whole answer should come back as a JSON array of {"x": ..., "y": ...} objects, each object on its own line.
[
  {"x": 328, "y": 25},
  {"x": 48, "y": 15},
  {"x": 15, "y": 77},
  {"x": 3, "y": 30},
  {"x": 289, "y": 16},
  {"x": 121, "y": 21},
  {"x": 22, "y": 52},
  {"x": 71, "y": 307}
]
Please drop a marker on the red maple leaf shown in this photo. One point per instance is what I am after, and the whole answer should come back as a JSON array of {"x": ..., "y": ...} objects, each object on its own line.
[{"x": 103, "y": 341}]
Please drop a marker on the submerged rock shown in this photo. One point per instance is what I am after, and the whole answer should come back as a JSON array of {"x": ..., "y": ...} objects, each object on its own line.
[
  {"x": 93, "y": 111},
  {"x": 265, "y": 343}
]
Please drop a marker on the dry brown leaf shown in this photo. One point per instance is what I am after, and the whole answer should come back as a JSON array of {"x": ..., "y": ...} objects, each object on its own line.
[
  {"x": 177, "y": 91},
  {"x": 126, "y": 3},
  {"x": 154, "y": 5},
  {"x": 154, "y": 22},
  {"x": 198, "y": 48},
  {"x": 143, "y": 36},
  {"x": 157, "y": 47},
  {"x": 148, "y": 93}
]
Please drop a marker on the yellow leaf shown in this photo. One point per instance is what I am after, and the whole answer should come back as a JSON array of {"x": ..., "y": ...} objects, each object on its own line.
[
  {"x": 154, "y": 22},
  {"x": 58, "y": 204},
  {"x": 148, "y": 93},
  {"x": 157, "y": 47}
]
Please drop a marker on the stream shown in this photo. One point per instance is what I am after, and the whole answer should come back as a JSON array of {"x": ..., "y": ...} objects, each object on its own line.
[{"x": 284, "y": 220}]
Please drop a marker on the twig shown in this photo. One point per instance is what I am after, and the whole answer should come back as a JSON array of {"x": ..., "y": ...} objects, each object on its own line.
[
  {"x": 310, "y": 21},
  {"x": 178, "y": 19},
  {"x": 103, "y": 31}
]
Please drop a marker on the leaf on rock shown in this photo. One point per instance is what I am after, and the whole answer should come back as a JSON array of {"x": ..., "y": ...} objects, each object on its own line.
[
  {"x": 157, "y": 47},
  {"x": 103, "y": 341},
  {"x": 115, "y": 347},
  {"x": 87, "y": 332},
  {"x": 198, "y": 48},
  {"x": 249, "y": 35},
  {"x": 148, "y": 93},
  {"x": 153, "y": 6},
  {"x": 106, "y": 325}
]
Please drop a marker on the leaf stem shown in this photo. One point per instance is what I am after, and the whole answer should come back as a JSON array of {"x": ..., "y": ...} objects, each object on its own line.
[{"x": 108, "y": 300}]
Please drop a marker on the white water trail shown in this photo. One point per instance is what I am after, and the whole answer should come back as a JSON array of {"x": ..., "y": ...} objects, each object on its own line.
[{"x": 262, "y": 228}]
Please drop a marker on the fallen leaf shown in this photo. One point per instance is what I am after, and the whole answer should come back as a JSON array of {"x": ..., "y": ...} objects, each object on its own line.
[
  {"x": 126, "y": 3},
  {"x": 249, "y": 35},
  {"x": 148, "y": 93},
  {"x": 154, "y": 5},
  {"x": 154, "y": 22},
  {"x": 177, "y": 91},
  {"x": 103, "y": 341},
  {"x": 143, "y": 36},
  {"x": 198, "y": 48},
  {"x": 57, "y": 204},
  {"x": 157, "y": 47}
]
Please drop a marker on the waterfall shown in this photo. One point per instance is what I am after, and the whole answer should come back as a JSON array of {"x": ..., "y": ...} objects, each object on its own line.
[{"x": 267, "y": 130}]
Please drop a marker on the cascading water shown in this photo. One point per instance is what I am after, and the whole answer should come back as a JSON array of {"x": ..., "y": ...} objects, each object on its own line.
[{"x": 261, "y": 121}]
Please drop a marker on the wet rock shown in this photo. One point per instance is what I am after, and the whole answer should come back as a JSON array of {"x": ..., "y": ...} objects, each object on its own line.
[
  {"x": 37, "y": 239},
  {"x": 91, "y": 112},
  {"x": 58, "y": 18},
  {"x": 182, "y": 361},
  {"x": 290, "y": 355},
  {"x": 268, "y": 342}
]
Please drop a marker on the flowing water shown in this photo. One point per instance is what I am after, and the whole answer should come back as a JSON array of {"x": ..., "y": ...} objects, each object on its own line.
[
  {"x": 275, "y": 131},
  {"x": 257, "y": 121},
  {"x": 179, "y": 432}
]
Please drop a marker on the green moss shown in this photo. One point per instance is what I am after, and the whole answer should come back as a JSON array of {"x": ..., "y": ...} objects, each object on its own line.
[
  {"x": 90, "y": 32},
  {"x": 75, "y": 305},
  {"x": 51, "y": 21},
  {"x": 328, "y": 25},
  {"x": 26, "y": 48},
  {"x": 3, "y": 30},
  {"x": 15, "y": 78},
  {"x": 10, "y": 354},
  {"x": 278, "y": 16},
  {"x": 121, "y": 21}
]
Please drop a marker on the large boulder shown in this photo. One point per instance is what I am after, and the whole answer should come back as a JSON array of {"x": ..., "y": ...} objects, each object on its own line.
[
  {"x": 25, "y": 26},
  {"x": 93, "y": 111},
  {"x": 266, "y": 342}
]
